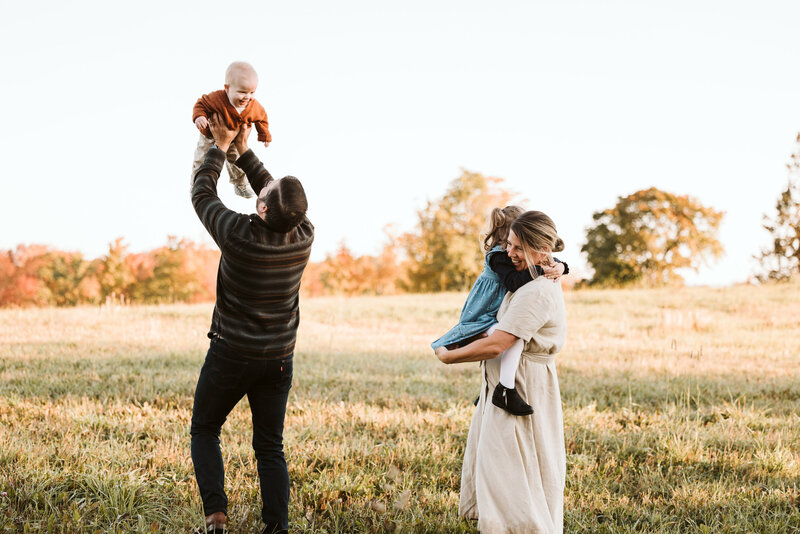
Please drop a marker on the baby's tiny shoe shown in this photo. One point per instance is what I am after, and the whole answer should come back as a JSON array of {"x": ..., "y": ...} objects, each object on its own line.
[{"x": 243, "y": 189}]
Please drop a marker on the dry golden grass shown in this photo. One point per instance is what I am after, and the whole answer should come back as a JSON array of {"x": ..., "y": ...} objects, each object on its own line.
[{"x": 681, "y": 415}]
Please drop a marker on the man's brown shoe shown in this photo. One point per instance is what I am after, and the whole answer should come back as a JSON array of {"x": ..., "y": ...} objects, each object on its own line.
[{"x": 215, "y": 524}]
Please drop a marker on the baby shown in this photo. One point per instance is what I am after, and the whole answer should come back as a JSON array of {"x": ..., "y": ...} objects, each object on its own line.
[{"x": 234, "y": 106}]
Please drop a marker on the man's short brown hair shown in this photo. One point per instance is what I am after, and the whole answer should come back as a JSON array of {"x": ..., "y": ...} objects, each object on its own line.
[{"x": 286, "y": 204}]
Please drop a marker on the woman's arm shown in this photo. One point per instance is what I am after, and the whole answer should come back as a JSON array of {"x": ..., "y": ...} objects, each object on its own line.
[{"x": 484, "y": 348}]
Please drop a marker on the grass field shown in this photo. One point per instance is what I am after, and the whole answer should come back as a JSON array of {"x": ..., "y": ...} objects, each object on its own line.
[{"x": 681, "y": 415}]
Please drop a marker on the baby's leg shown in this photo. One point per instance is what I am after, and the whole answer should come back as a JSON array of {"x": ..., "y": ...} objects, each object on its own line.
[
  {"x": 241, "y": 185},
  {"x": 204, "y": 144},
  {"x": 509, "y": 361}
]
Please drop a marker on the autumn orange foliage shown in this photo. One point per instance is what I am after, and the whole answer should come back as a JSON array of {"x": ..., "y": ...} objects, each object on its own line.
[{"x": 180, "y": 271}]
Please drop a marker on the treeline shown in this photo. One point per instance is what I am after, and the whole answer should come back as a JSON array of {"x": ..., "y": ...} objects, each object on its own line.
[
  {"x": 36, "y": 275},
  {"x": 645, "y": 239},
  {"x": 180, "y": 271},
  {"x": 444, "y": 255}
]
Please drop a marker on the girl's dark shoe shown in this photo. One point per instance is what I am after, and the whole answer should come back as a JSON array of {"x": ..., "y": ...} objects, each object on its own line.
[
  {"x": 510, "y": 401},
  {"x": 274, "y": 529}
]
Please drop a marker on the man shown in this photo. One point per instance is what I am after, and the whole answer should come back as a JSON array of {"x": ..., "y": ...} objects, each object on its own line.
[{"x": 254, "y": 325}]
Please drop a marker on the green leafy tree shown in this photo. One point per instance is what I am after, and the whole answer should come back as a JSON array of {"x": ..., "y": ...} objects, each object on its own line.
[
  {"x": 782, "y": 259},
  {"x": 647, "y": 236},
  {"x": 445, "y": 253},
  {"x": 175, "y": 276}
]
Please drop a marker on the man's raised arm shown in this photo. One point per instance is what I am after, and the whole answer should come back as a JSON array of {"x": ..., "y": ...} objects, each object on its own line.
[{"x": 217, "y": 219}]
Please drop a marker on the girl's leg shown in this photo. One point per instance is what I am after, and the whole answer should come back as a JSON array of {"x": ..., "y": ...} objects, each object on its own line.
[
  {"x": 505, "y": 395},
  {"x": 509, "y": 361}
]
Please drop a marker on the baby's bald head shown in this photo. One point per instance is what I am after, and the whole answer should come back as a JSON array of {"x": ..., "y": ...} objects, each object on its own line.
[
  {"x": 241, "y": 81},
  {"x": 240, "y": 71}
]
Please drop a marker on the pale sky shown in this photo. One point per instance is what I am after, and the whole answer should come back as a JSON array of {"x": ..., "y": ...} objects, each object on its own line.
[{"x": 376, "y": 106}]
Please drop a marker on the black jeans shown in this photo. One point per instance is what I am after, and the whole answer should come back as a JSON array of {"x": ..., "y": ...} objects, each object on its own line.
[{"x": 225, "y": 378}]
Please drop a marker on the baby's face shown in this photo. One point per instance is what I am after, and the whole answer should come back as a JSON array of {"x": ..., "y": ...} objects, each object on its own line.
[{"x": 241, "y": 90}]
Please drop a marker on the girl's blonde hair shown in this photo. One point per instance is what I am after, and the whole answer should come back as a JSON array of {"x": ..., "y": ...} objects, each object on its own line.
[
  {"x": 536, "y": 233},
  {"x": 499, "y": 224}
]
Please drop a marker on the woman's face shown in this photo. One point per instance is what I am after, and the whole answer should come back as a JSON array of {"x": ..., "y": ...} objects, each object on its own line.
[{"x": 515, "y": 252}]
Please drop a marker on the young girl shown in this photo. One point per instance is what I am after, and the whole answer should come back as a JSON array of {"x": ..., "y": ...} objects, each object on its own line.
[{"x": 479, "y": 312}]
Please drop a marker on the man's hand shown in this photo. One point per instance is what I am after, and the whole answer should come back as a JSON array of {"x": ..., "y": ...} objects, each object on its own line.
[
  {"x": 201, "y": 122},
  {"x": 222, "y": 135},
  {"x": 553, "y": 272},
  {"x": 266, "y": 144},
  {"x": 240, "y": 143}
]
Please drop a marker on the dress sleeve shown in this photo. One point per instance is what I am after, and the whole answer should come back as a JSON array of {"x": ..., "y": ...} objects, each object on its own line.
[{"x": 527, "y": 313}]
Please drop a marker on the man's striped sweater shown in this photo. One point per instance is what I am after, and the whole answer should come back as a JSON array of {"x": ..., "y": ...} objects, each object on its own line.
[{"x": 258, "y": 281}]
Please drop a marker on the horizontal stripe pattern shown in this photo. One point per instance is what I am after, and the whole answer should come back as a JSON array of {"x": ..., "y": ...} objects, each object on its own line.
[{"x": 258, "y": 280}]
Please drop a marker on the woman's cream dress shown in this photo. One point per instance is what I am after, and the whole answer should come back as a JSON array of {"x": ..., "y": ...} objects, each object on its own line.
[{"x": 514, "y": 469}]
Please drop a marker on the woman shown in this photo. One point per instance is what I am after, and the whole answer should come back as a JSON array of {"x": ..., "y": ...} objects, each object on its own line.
[{"x": 514, "y": 468}]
